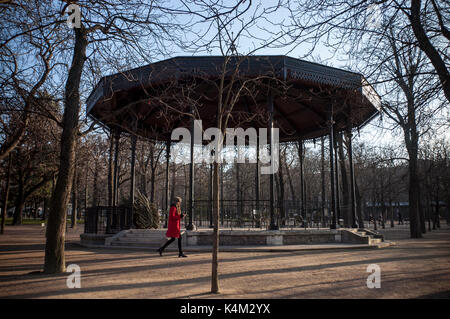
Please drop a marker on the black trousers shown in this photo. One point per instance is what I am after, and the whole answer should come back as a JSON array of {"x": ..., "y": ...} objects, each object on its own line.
[{"x": 171, "y": 240}]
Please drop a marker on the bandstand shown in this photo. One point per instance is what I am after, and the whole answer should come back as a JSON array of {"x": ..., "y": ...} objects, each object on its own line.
[{"x": 304, "y": 100}]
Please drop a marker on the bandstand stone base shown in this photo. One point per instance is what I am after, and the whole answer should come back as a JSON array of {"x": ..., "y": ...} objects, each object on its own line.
[
  {"x": 203, "y": 237},
  {"x": 278, "y": 237}
]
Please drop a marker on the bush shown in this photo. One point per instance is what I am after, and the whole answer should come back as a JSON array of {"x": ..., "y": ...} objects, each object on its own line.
[{"x": 146, "y": 214}]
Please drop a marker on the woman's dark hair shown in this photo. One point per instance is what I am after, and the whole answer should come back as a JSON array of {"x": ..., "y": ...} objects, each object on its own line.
[{"x": 175, "y": 201}]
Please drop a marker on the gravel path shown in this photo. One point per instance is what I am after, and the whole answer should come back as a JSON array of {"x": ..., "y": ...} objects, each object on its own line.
[{"x": 410, "y": 269}]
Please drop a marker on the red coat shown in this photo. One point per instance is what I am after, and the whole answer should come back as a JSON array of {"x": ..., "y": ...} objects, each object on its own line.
[{"x": 173, "y": 228}]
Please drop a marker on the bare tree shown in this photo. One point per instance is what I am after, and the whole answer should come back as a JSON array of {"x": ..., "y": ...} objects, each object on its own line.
[
  {"x": 6, "y": 193},
  {"x": 345, "y": 26},
  {"x": 107, "y": 27},
  {"x": 384, "y": 47},
  {"x": 21, "y": 83}
]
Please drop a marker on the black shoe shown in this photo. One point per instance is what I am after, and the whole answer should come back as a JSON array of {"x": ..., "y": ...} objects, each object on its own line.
[
  {"x": 159, "y": 250},
  {"x": 181, "y": 255}
]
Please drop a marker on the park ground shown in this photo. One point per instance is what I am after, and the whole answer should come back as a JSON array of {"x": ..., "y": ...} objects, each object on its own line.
[{"x": 412, "y": 268}]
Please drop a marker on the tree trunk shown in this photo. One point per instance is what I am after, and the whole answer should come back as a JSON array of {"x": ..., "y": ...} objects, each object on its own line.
[
  {"x": 414, "y": 220},
  {"x": 429, "y": 210},
  {"x": 283, "y": 215},
  {"x": 302, "y": 182},
  {"x": 277, "y": 200},
  {"x": 152, "y": 171},
  {"x": 172, "y": 189},
  {"x": 358, "y": 205},
  {"x": 18, "y": 210},
  {"x": 144, "y": 184},
  {"x": 110, "y": 173},
  {"x": 426, "y": 46},
  {"x": 74, "y": 199},
  {"x": 19, "y": 203},
  {"x": 423, "y": 227},
  {"x": 447, "y": 186},
  {"x": 6, "y": 194},
  {"x": 436, "y": 214},
  {"x": 86, "y": 192},
  {"x": 383, "y": 205},
  {"x": 44, "y": 209},
  {"x": 55, "y": 235},
  {"x": 216, "y": 213},
  {"x": 391, "y": 209},
  {"x": 238, "y": 193},
  {"x": 95, "y": 188},
  {"x": 152, "y": 184},
  {"x": 291, "y": 185}
]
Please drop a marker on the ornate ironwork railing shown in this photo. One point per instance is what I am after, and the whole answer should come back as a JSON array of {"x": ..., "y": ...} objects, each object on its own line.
[
  {"x": 253, "y": 214},
  {"x": 234, "y": 214}
]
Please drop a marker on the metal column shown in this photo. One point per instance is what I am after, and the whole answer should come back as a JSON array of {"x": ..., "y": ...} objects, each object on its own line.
[
  {"x": 332, "y": 193},
  {"x": 302, "y": 183},
  {"x": 336, "y": 173},
  {"x": 211, "y": 192},
  {"x": 167, "y": 206},
  {"x": 272, "y": 225},
  {"x": 257, "y": 186},
  {"x": 352, "y": 179},
  {"x": 116, "y": 168},
  {"x": 111, "y": 219},
  {"x": 191, "y": 226},
  {"x": 133, "y": 177},
  {"x": 322, "y": 175}
]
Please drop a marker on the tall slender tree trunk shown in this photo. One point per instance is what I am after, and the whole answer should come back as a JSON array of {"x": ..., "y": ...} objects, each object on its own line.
[
  {"x": 359, "y": 205},
  {"x": 291, "y": 185},
  {"x": 437, "y": 222},
  {"x": 221, "y": 195},
  {"x": 447, "y": 186},
  {"x": 95, "y": 201},
  {"x": 172, "y": 189},
  {"x": 237, "y": 167},
  {"x": 216, "y": 210},
  {"x": 110, "y": 171},
  {"x": 277, "y": 216},
  {"x": 152, "y": 172},
  {"x": 423, "y": 227},
  {"x": 74, "y": 199},
  {"x": 55, "y": 235},
  {"x": 412, "y": 146},
  {"x": 283, "y": 211},
  {"x": 414, "y": 193},
  {"x": 6, "y": 194},
  {"x": 429, "y": 208},
  {"x": 86, "y": 191},
  {"x": 152, "y": 184},
  {"x": 19, "y": 202},
  {"x": 144, "y": 184},
  {"x": 383, "y": 205}
]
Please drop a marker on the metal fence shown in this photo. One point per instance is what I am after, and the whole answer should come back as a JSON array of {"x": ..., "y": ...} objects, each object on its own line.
[
  {"x": 107, "y": 219},
  {"x": 233, "y": 214},
  {"x": 256, "y": 214}
]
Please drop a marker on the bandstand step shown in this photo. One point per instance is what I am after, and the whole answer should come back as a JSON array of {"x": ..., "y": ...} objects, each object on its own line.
[{"x": 140, "y": 238}]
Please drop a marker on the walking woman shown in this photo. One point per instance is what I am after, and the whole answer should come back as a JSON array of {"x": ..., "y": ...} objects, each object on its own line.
[{"x": 173, "y": 229}]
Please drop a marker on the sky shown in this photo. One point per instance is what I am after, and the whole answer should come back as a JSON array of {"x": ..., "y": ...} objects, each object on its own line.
[
  {"x": 378, "y": 133},
  {"x": 250, "y": 39}
]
